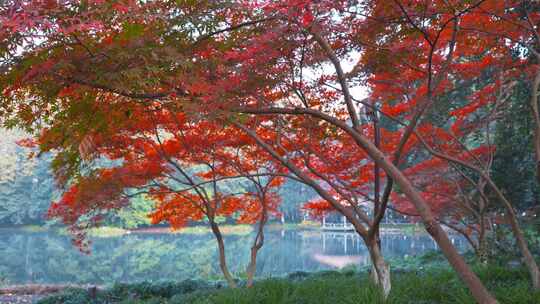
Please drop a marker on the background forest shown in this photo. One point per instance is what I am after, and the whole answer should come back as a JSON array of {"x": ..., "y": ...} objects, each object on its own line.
[{"x": 27, "y": 188}]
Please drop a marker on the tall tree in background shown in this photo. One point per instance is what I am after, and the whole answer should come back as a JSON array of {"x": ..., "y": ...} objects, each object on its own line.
[
  {"x": 514, "y": 165},
  {"x": 26, "y": 184}
]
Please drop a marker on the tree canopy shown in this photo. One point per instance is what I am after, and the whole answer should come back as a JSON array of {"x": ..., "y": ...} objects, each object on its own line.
[{"x": 259, "y": 91}]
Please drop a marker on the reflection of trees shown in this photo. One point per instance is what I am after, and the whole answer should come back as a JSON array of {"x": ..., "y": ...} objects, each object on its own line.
[
  {"x": 51, "y": 258},
  {"x": 287, "y": 252}
]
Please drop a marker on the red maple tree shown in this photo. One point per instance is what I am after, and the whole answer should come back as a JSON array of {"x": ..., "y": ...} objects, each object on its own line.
[{"x": 268, "y": 79}]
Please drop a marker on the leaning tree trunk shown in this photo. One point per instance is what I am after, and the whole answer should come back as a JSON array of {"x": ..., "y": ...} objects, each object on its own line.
[
  {"x": 471, "y": 280},
  {"x": 380, "y": 273},
  {"x": 478, "y": 290},
  {"x": 222, "y": 260},
  {"x": 528, "y": 258}
]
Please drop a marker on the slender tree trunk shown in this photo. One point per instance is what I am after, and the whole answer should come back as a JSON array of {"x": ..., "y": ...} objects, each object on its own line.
[
  {"x": 482, "y": 254},
  {"x": 252, "y": 267},
  {"x": 380, "y": 273},
  {"x": 536, "y": 119},
  {"x": 528, "y": 258},
  {"x": 257, "y": 244},
  {"x": 222, "y": 260}
]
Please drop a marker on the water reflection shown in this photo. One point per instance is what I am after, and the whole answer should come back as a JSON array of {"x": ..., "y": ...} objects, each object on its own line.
[{"x": 50, "y": 258}]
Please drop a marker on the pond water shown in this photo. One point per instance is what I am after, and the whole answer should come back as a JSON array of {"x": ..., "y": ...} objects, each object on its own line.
[{"x": 50, "y": 258}]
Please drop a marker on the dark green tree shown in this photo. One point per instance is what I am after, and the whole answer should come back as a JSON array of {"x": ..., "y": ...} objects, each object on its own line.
[{"x": 514, "y": 166}]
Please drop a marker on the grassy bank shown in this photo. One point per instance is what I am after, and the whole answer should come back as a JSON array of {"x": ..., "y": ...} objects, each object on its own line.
[
  {"x": 233, "y": 229},
  {"x": 108, "y": 231},
  {"x": 104, "y": 231},
  {"x": 430, "y": 286},
  {"x": 225, "y": 229}
]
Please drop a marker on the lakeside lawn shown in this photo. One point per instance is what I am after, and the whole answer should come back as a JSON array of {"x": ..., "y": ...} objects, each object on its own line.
[
  {"x": 239, "y": 229},
  {"x": 332, "y": 287}
]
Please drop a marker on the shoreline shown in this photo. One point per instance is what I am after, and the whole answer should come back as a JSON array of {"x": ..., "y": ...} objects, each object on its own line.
[{"x": 408, "y": 228}]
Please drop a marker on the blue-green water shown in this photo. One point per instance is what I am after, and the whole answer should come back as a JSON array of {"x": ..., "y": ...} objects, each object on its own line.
[{"x": 47, "y": 257}]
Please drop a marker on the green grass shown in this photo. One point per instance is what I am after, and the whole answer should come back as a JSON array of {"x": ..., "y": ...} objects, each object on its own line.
[
  {"x": 408, "y": 229},
  {"x": 430, "y": 286},
  {"x": 33, "y": 228},
  {"x": 107, "y": 231},
  {"x": 104, "y": 232},
  {"x": 305, "y": 225},
  {"x": 225, "y": 229}
]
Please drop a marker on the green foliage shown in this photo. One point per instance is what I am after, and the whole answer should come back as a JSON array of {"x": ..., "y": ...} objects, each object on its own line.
[
  {"x": 135, "y": 214},
  {"x": 503, "y": 250},
  {"x": 430, "y": 260},
  {"x": 514, "y": 168},
  {"x": 437, "y": 286},
  {"x": 26, "y": 184},
  {"x": 132, "y": 30},
  {"x": 225, "y": 229},
  {"x": 27, "y": 188},
  {"x": 146, "y": 290}
]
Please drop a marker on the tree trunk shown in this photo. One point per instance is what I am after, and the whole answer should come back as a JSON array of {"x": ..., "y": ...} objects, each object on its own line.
[
  {"x": 258, "y": 242},
  {"x": 478, "y": 290},
  {"x": 222, "y": 260},
  {"x": 475, "y": 286},
  {"x": 252, "y": 267},
  {"x": 483, "y": 254},
  {"x": 380, "y": 273},
  {"x": 528, "y": 258},
  {"x": 536, "y": 119}
]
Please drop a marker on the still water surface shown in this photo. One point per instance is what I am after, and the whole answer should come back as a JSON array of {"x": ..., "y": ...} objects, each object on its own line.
[{"x": 50, "y": 258}]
